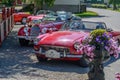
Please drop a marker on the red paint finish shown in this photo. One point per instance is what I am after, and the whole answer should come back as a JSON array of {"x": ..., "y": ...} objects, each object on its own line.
[
  {"x": 62, "y": 39},
  {"x": 19, "y": 16}
]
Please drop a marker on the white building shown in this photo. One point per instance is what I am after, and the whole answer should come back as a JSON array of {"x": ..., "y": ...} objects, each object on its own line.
[
  {"x": 72, "y": 5},
  {"x": 67, "y": 5}
]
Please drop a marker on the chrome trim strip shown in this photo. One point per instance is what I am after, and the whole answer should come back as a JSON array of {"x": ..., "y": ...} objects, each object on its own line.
[
  {"x": 21, "y": 36},
  {"x": 54, "y": 46},
  {"x": 74, "y": 56},
  {"x": 62, "y": 56}
]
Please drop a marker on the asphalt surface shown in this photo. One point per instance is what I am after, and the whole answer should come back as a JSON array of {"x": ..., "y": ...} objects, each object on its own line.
[
  {"x": 111, "y": 18},
  {"x": 19, "y": 63}
]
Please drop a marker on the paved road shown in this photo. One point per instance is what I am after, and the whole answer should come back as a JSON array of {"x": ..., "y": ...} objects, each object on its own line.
[
  {"x": 111, "y": 18},
  {"x": 19, "y": 63}
]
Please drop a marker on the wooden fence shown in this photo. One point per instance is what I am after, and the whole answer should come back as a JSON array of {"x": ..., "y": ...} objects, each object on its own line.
[{"x": 6, "y": 22}]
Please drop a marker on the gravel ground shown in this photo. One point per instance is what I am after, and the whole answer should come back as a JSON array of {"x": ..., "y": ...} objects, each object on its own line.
[{"x": 19, "y": 63}]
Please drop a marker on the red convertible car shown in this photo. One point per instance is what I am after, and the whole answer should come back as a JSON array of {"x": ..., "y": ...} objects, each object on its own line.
[
  {"x": 41, "y": 14},
  {"x": 63, "y": 44},
  {"x": 28, "y": 33},
  {"x": 32, "y": 17},
  {"x": 21, "y": 17}
]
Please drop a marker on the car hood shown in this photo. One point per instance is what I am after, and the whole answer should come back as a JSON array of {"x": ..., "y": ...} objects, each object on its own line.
[
  {"x": 35, "y": 17},
  {"x": 62, "y": 38}
]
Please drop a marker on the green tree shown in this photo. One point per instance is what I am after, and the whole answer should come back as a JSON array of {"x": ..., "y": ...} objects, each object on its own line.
[
  {"x": 38, "y": 4},
  {"x": 7, "y": 2},
  {"x": 114, "y": 3}
]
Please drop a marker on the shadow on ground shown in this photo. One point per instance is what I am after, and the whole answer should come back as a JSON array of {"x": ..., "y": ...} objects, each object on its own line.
[{"x": 15, "y": 59}]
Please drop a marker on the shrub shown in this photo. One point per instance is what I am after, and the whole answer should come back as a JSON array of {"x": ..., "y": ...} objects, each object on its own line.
[{"x": 99, "y": 6}]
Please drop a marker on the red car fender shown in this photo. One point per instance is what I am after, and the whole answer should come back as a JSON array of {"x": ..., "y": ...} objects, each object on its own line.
[
  {"x": 18, "y": 16},
  {"x": 21, "y": 31},
  {"x": 116, "y": 35}
]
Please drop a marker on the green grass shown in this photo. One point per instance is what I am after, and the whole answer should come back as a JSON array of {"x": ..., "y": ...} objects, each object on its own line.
[
  {"x": 114, "y": 10},
  {"x": 99, "y": 6},
  {"x": 87, "y": 14}
]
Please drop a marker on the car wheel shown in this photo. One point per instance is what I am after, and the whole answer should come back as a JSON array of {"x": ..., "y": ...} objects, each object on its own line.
[
  {"x": 24, "y": 20},
  {"x": 41, "y": 58},
  {"x": 23, "y": 42},
  {"x": 83, "y": 63}
]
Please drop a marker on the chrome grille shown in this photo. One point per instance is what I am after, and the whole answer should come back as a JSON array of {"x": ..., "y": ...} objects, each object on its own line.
[
  {"x": 35, "y": 31},
  {"x": 57, "y": 48}
]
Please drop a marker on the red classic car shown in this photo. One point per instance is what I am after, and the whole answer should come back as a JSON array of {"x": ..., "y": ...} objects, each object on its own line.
[
  {"x": 41, "y": 14},
  {"x": 27, "y": 34},
  {"x": 21, "y": 17},
  {"x": 32, "y": 17},
  {"x": 63, "y": 44}
]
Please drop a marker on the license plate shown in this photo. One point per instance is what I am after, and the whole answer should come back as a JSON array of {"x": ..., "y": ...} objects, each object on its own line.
[{"x": 52, "y": 54}]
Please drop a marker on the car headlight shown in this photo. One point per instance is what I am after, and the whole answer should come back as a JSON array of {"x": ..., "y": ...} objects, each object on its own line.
[
  {"x": 26, "y": 28},
  {"x": 44, "y": 30},
  {"x": 77, "y": 45},
  {"x": 26, "y": 31},
  {"x": 36, "y": 40}
]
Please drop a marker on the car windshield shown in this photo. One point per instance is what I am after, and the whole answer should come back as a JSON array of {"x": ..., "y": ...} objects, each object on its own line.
[
  {"x": 36, "y": 21},
  {"x": 64, "y": 15},
  {"x": 49, "y": 18},
  {"x": 48, "y": 12},
  {"x": 78, "y": 25}
]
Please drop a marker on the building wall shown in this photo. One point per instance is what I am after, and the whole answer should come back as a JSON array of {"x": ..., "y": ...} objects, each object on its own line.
[
  {"x": 106, "y": 1},
  {"x": 69, "y": 8},
  {"x": 66, "y": 5},
  {"x": 67, "y": 2}
]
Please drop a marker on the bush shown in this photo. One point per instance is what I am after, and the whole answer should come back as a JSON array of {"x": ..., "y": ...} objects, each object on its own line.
[
  {"x": 87, "y": 14},
  {"x": 28, "y": 8},
  {"x": 99, "y": 6}
]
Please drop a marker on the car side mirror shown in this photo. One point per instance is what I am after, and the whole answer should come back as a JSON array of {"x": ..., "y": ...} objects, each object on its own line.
[{"x": 109, "y": 29}]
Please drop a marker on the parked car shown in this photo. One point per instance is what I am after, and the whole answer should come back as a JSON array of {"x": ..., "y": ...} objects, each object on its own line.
[
  {"x": 28, "y": 33},
  {"x": 63, "y": 44},
  {"x": 41, "y": 14},
  {"x": 47, "y": 12},
  {"x": 32, "y": 17},
  {"x": 21, "y": 17}
]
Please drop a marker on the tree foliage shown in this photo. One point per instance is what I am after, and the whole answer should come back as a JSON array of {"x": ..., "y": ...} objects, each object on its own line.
[
  {"x": 40, "y": 3},
  {"x": 7, "y": 2},
  {"x": 114, "y": 3}
]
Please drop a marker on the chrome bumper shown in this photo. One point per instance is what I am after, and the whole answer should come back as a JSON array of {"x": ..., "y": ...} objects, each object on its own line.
[
  {"x": 31, "y": 38},
  {"x": 62, "y": 55}
]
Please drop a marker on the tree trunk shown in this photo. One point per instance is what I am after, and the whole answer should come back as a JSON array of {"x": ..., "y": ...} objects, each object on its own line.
[
  {"x": 96, "y": 71},
  {"x": 114, "y": 6}
]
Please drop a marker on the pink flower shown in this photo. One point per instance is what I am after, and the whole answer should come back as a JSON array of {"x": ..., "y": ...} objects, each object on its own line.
[
  {"x": 116, "y": 55},
  {"x": 117, "y": 76}
]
